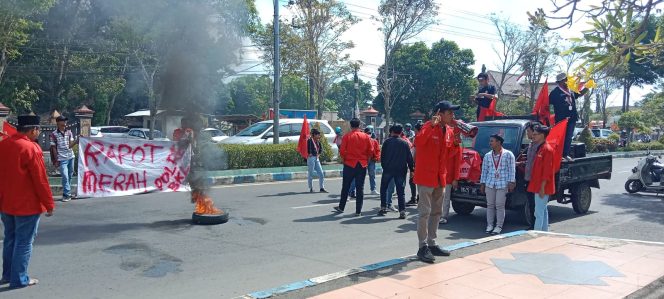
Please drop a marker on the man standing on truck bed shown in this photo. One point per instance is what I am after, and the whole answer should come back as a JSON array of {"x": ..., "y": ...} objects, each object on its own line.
[
  {"x": 542, "y": 181},
  {"x": 430, "y": 177},
  {"x": 485, "y": 95},
  {"x": 564, "y": 106}
]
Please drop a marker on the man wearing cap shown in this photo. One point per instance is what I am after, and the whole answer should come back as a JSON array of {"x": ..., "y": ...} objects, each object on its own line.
[
  {"x": 498, "y": 178},
  {"x": 430, "y": 177},
  {"x": 356, "y": 150},
  {"x": 453, "y": 160},
  {"x": 564, "y": 106},
  {"x": 62, "y": 155},
  {"x": 485, "y": 95},
  {"x": 24, "y": 195}
]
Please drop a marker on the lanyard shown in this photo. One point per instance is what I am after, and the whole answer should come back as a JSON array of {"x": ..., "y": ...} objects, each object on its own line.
[
  {"x": 497, "y": 164},
  {"x": 315, "y": 145}
]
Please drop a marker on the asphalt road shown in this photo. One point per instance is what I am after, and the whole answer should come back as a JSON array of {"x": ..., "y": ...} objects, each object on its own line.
[{"x": 145, "y": 247}]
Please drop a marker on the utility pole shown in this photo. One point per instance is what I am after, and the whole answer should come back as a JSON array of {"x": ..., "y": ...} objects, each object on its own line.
[
  {"x": 277, "y": 74},
  {"x": 357, "y": 90}
]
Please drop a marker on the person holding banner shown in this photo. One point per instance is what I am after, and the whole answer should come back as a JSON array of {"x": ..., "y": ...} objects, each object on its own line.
[
  {"x": 24, "y": 195},
  {"x": 314, "y": 149},
  {"x": 564, "y": 105},
  {"x": 62, "y": 155},
  {"x": 542, "y": 179}
]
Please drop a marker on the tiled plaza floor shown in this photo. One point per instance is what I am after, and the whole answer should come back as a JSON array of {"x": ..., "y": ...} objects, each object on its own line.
[{"x": 543, "y": 267}]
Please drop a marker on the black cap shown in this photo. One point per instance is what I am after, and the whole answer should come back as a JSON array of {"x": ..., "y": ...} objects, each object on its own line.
[
  {"x": 483, "y": 76},
  {"x": 28, "y": 121},
  {"x": 445, "y": 105},
  {"x": 315, "y": 132},
  {"x": 61, "y": 118},
  {"x": 498, "y": 137},
  {"x": 542, "y": 129}
]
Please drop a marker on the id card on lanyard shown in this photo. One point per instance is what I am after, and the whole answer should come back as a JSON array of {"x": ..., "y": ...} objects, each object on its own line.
[{"x": 496, "y": 164}]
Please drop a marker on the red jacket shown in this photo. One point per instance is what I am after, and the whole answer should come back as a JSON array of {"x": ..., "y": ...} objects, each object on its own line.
[
  {"x": 453, "y": 165},
  {"x": 376, "y": 148},
  {"x": 24, "y": 187},
  {"x": 356, "y": 147},
  {"x": 430, "y": 148},
  {"x": 543, "y": 171}
]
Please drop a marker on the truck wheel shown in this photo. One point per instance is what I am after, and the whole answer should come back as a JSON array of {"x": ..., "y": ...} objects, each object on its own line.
[
  {"x": 526, "y": 213},
  {"x": 633, "y": 186},
  {"x": 462, "y": 208},
  {"x": 581, "y": 198}
]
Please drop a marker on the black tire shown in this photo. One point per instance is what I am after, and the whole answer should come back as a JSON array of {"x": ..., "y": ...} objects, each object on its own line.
[
  {"x": 209, "y": 219},
  {"x": 581, "y": 198},
  {"x": 526, "y": 213},
  {"x": 462, "y": 208},
  {"x": 633, "y": 186}
]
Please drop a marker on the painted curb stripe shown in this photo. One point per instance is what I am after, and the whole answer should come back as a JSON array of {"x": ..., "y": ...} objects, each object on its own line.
[
  {"x": 534, "y": 233},
  {"x": 372, "y": 267}
]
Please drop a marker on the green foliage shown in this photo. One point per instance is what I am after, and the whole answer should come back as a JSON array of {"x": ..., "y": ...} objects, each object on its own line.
[
  {"x": 327, "y": 154},
  {"x": 262, "y": 155},
  {"x": 661, "y": 140},
  {"x": 638, "y": 146},
  {"x": 603, "y": 145},
  {"x": 250, "y": 94},
  {"x": 631, "y": 120},
  {"x": 614, "y": 137},
  {"x": 518, "y": 106},
  {"x": 586, "y": 137},
  {"x": 342, "y": 93}
]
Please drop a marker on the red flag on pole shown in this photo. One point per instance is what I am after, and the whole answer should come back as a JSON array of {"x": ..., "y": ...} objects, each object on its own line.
[
  {"x": 489, "y": 112},
  {"x": 556, "y": 139},
  {"x": 304, "y": 136},
  {"x": 541, "y": 108}
]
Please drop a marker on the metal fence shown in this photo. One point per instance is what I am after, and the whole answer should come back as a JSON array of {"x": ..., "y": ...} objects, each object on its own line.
[{"x": 46, "y": 130}]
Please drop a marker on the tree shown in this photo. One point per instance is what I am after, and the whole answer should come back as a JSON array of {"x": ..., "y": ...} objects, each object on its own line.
[
  {"x": 17, "y": 21},
  {"x": 619, "y": 29},
  {"x": 604, "y": 88},
  {"x": 653, "y": 111},
  {"x": 440, "y": 73},
  {"x": 342, "y": 93},
  {"x": 537, "y": 59},
  {"x": 630, "y": 121},
  {"x": 294, "y": 92},
  {"x": 514, "y": 46},
  {"x": 400, "y": 21},
  {"x": 250, "y": 94},
  {"x": 321, "y": 26}
]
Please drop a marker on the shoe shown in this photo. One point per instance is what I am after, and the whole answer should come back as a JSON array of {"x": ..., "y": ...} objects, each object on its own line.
[
  {"x": 382, "y": 212},
  {"x": 437, "y": 251},
  {"x": 393, "y": 209},
  {"x": 66, "y": 198},
  {"x": 412, "y": 202},
  {"x": 322, "y": 190},
  {"x": 338, "y": 210},
  {"x": 352, "y": 195},
  {"x": 497, "y": 230},
  {"x": 74, "y": 197},
  {"x": 442, "y": 221},
  {"x": 402, "y": 215},
  {"x": 358, "y": 214},
  {"x": 33, "y": 281},
  {"x": 489, "y": 229},
  {"x": 311, "y": 190},
  {"x": 374, "y": 192},
  {"x": 425, "y": 255}
]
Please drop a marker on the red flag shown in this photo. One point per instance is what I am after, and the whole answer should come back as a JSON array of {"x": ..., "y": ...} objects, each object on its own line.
[
  {"x": 489, "y": 112},
  {"x": 556, "y": 139},
  {"x": 304, "y": 136},
  {"x": 541, "y": 108},
  {"x": 8, "y": 129}
]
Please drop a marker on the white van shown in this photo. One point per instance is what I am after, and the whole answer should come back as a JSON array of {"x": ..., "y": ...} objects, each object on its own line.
[{"x": 289, "y": 131}]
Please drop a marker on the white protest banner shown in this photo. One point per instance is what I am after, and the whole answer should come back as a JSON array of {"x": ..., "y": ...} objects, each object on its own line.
[{"x": 123, "y": 166}]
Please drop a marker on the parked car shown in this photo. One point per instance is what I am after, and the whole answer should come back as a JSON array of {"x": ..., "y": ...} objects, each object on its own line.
[
  {"x": 289, "y": 131},
  {"x": 215, "y": 135},
  {"x": 144, "y": 133},
  {"x": 601, "y": 133},
  {"x": 109, "y": 131}
]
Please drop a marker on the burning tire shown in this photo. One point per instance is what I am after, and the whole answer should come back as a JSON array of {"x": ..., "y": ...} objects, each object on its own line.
[{"x": 209, "y": 219}]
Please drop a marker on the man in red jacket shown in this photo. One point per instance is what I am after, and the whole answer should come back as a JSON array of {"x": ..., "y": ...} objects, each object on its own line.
[
  {"x": 431, "y": 146},
  {"x": 356, "y": 150},
  {"x": 542, "y": 180},
  {"x": 24, "y": 195}
]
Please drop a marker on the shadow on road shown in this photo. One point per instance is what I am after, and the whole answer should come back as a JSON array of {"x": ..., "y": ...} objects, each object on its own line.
[
  {"x": 61, "y": 234},
  {"x": 647, "y": 207},
  {"x": 284, "y": 194}
]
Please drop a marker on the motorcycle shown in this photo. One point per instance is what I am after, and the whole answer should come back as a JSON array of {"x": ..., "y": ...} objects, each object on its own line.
[{"x": 646, "y": 176}]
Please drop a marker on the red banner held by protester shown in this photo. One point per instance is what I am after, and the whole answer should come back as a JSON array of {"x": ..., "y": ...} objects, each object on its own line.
[
  {"x": 541, "y": 108},
  {"x": 556, "y": 139},
  {"x": 304, "y": 136}
]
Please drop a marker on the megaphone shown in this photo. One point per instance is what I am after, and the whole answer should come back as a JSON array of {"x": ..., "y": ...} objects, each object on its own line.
[{"x": 466, "y": 129}]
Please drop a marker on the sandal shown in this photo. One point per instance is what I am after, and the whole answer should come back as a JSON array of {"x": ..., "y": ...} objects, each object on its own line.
[{"x": 33, "y": 281}]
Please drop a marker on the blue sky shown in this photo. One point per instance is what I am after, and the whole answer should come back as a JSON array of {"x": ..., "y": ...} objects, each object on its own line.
[{"x": 465, "y": 22}]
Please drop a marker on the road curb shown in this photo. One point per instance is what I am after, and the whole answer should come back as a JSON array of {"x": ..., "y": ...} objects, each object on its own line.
[{"x": 384, "y": 264}]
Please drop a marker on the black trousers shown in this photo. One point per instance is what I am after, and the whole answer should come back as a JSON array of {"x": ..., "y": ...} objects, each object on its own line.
[
  {"x": 531, "y": 200},
  {"x": 358, "y": 173},
  {"x": 413, "y": 189},
  {"x": 400, "y": 184}
]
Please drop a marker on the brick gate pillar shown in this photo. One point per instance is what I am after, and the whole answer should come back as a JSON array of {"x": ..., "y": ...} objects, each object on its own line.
[{"x": 84, "y": 115}]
